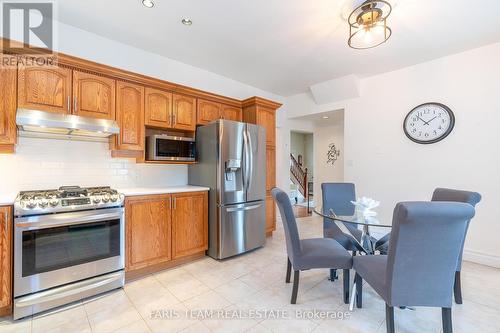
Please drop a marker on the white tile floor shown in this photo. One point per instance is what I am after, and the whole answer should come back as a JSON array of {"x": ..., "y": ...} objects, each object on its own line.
[{"x": 256, "y": 282}]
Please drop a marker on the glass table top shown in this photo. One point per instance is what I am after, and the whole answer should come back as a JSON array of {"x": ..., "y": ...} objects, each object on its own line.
[{"x": 368, "y": 221}]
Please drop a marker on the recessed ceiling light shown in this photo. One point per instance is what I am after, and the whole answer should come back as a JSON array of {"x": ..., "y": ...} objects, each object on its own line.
[
  {"x": 148, "y": 3},
  {"x": 187, "y": 21},
  {"x": 326, "y": 117}
]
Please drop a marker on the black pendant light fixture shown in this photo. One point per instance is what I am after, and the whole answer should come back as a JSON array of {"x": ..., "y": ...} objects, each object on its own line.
[{"x": 368, "y": 24}]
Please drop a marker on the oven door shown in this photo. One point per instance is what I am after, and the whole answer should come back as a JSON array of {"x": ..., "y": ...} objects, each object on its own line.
[{"x": 56, "y": 249}]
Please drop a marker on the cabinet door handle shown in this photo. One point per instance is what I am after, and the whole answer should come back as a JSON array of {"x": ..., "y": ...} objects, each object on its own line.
[
  {"x": 69, "y": 104},
  {"x": 174, "y": 119},
  {"x": 5, "y": 221},
  {"x": 175, "y": 203},
  {"x": 75, "y": 105},
  {"x": 170, "y": 203}
]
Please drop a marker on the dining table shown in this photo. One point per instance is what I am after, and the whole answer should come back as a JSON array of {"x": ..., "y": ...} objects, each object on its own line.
[{"x": 365, "y": 242}]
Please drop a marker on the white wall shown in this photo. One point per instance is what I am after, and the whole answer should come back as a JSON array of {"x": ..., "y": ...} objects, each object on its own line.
[
  {"x": 324, "y": 172},
  {"x": 44, "y": 164},
  {"x": 387, "y": 166},
  {"x": 40, "y": 163}
]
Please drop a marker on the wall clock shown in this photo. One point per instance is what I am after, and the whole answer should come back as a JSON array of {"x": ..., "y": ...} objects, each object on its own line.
[{"x": 429, "y": 123}]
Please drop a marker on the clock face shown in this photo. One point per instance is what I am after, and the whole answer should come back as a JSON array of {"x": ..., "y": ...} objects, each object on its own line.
[{"x": 429, "y": 123}]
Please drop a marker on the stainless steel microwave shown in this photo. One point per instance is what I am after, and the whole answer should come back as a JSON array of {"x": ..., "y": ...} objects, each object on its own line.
[{"x": 170, "y": 148}]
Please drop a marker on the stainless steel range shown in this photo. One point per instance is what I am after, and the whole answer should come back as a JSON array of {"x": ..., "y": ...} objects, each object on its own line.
[{"x": 68, "y": 244}]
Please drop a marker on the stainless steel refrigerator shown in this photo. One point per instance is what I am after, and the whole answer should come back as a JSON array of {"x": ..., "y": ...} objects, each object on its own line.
[{"x": 232, "y": 162}]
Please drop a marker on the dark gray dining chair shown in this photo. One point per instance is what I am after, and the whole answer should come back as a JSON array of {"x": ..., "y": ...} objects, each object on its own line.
[
  {"x": 304, "y": 254},
  {"x": 337, "y": 198},
  {"x": 472, "y": 198},
  {"x": 419, "y": 269}
]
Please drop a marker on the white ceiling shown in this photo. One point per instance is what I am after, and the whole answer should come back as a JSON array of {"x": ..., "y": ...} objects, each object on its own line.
[{"x": 284, "y": 46}]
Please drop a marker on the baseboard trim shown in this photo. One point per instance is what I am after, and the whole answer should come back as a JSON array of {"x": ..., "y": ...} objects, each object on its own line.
[{"x": 482, "y": 258}]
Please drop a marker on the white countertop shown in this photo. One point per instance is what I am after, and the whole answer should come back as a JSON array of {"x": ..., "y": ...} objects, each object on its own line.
[
  {"x": 128, "y": 192},
  {"x": 8, "y": 199}
]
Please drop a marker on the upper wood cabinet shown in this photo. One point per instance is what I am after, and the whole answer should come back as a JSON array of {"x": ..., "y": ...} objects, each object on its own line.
[
  {"x": 208, "y": 111},
  {"x": 93, "y": 96},
  {"x": 231, "y": 113},
  {"x": 158, "y": 108},
  {"x": 189, "y": 223},
  {"x": 184, "y": 112},
  {"x": 44, "y": 88},
  {"x": 8, "y": 79},
  {"x": 5, "y": 260},
  {"x": 266, "y": 117},
  {"x": 130, "y": 116},
  {"x": 148, "y": 230}
]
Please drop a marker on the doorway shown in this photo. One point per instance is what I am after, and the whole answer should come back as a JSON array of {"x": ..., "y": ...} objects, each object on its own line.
[{"x": 301, "y": 191}]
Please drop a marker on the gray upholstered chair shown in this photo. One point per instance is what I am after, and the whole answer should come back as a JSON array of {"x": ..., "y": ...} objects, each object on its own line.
[
  {"x": 337, "y": 197},
  {"x": 472, "y": 198},
  {"x": 304, "y": 254},
  {"x": 419, "y": 269}
]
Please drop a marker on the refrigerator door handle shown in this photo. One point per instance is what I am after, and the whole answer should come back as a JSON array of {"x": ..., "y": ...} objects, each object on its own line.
[
  {"x": 250, "y": 154},
  {"x": 243, "y": 208},
  {"x": 245, "y": 173}
]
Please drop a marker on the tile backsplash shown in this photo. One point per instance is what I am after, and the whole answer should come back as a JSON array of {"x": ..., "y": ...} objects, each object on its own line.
[{"x": 46, "y": 163}]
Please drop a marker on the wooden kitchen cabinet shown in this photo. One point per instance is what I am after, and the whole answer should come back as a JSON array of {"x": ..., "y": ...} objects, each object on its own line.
[
  {"x": 208, "y": 111},
  {"x": 130, "y": 117},
  {"x": 148, "y": 230},
  {"x": 184, "y": 112},
  {"x": 189, "y": 223},
  {"x": 270, "y": 215},
  {"x": 44, "y": 88},
  {"x": 267, "y": 118},
  {"x": 262, "y": 112},
  {"x": 270, "y": 168},
  {"x": 8, "y": 108},
  {"x": 231, "y": 113},
  {"x": 158, "y": 108},
  {"x": 5, "y": 260},
  {"x": 93, "y": 96},
  {"x": 165, "y": 230}
]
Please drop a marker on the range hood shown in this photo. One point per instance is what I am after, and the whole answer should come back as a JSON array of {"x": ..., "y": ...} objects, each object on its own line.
[{"x": 34, "y": 123}]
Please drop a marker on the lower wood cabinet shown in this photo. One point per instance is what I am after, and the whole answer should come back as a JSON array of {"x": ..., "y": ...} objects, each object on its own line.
[
  {"x": 148, "y": 230},
  {"x": 189, "y": 224},
  {"x": 5, "y": 260},
  {"x": 164, "y": 228},
  {"x": 270, "y": 215}
]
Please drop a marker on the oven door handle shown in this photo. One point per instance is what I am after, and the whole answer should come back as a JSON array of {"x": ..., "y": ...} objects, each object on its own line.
[
  {"x": 69, "y": 290},
  {"x": 59, "y": 220}
]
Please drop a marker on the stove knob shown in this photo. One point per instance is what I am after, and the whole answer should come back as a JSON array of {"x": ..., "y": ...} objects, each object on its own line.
[
  {"x": 53, "y": 202},
  {"x": 43, "y": 203},
  {"x": 31, "y": 203},
  {"x": 106, "y": 198},
  {"x": 96, "y": 199},
  {"x": 114, "y": 197}
]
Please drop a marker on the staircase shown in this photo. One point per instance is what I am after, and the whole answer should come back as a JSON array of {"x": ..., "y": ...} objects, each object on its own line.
[{"x": 298, "y": 175}]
